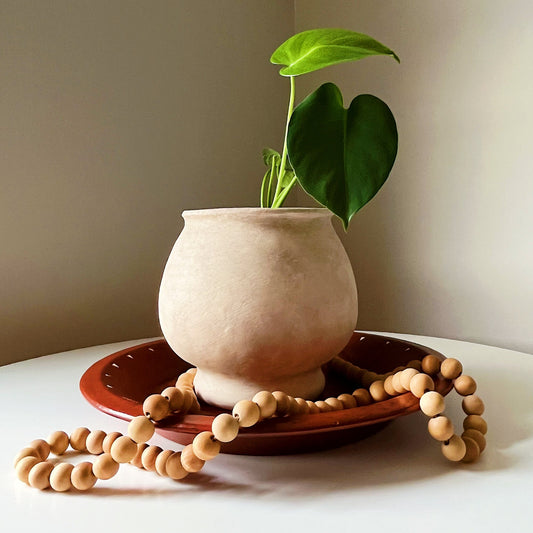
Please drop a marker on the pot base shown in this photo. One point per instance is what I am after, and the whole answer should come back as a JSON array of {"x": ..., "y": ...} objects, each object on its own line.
[{"x": 225, "y": 391}]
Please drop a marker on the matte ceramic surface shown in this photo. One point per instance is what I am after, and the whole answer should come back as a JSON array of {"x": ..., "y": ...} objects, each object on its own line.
[{"x": 120, "y": 382}]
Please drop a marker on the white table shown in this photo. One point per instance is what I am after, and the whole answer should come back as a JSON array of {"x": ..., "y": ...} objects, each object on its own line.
[{"x": 391, "y": 482}]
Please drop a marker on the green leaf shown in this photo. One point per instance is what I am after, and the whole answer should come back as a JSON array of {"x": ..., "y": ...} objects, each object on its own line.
[
  {"x": 271, "y": 157},
  {"x": 286, "y": 178},
  {"x": 315, "y": 49},
  {"x": 342, "y": 156}
]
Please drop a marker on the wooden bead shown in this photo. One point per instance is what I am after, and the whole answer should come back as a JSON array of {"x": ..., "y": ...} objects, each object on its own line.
[
  {"x": 161, "y": 462},
  {"x": 313, "y": 409},
  {"x": 225, "y": 427},
  {"x": 335, "y": 404},
  {"x": 294, "y": 408},
  {"x": 185, "y": 380},
  {"x": 323, "y": 407},
  {"x": 420, "y": 384},
  {"x": 451, "y": 368},
  {"x": 475, "y": 422},
  {"x": 149, "y": 456},
  {"x": 397, "y": 383},
  {"x": 267, "y": 403},
  {"x": 348, "y": 401},
  {"x": 190, "y": 402},
  {"x": 465, "y": 385},
  {"x": 282, "y": 402},
  {"x": 174, "y": 468},
  {"x": 58, "y": 441},
  {"x": 303, "y": 407},
  {"x": 26, "y": 452},
  {"x": 472, "y": 450},
  {"x": 354, "y": 373},
  {"x": 440, "y": 428},
  {"x": 39, "y": 476},
  {"x": 368, "y": 378},
  {"x": 78, "y": 439},
  {"x": 137, "y": 460},
  {"x": 105, "y": 467},
  {"x": 156, "y": 407},
  {"x": 41, "y": 447},
  {"x": 477, "y": 436},
  {"x": 82, "y": 476},
  {"x": 430, "y": 365},
  {"x": 141, "y": 429},
  {"x": 247, "y": 413},
  {"x": 60, "y": 477},
  {"x": 416, "y": 364},
  {"x": 94, "y": 442},
  {"x": 109, "y": 440},
  {"x": 123, "y": 450},
  {"x": 175, "y": 398},
  {"x": 189, "y": 461},
  {"x": 432, "y": 403},
  {"x": 362, "y": 397},
  {"x": 406, "y": 376},
  {"x": 454, "y": 449},
  {"x": 473, "y": 405},
  {"x": 377, "y": 391},
  {"x": 205, "y": 447},
  {"x": 24, "y": 466},
  {"x": 387, "y": 385}
]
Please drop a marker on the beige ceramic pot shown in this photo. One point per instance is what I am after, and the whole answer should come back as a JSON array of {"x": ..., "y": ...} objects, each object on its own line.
[{"x": 257, "y": 299}]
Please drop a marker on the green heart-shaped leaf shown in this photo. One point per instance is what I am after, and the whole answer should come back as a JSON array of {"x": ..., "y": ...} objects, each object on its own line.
[
  {"x": 342, "y": 156},
  {"x": 315, "y": 49}
]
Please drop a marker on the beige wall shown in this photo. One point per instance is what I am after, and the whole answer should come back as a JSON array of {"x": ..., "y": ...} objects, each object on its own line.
[
  {"x": 114, "y": 117},
  {"x": 446, "y": 248}
]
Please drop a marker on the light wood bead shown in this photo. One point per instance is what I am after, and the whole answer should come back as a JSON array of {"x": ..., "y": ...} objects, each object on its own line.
[
  {"x": 174, "y": 468},
  {"x": 195, "y": 405},
  {"x": 94, "y": 441},
  {"x": 109, "y": 440},
  {"x": 189, "y": 461},
  {"x": 323, "y": 407},
  {"x": 137, "y": 460},
  {"x": 432, "y": 403},
  {"x": 225, "y": 427},
  {"x": 82, "y": 476},
  {"x": 348, "y": 401},
  {"x": 473, "y": 405},
  {"x": 472, "y": 450},
  {"x": 303, "y": 407},
  {"x": 123, "y": 450},
  {"x": 454, "y": 449},
  {"x": 377, "y": 391},
  {"x": 161, "y": 462},
  {"x": 267, "y": 403},
  {"x": 313, "y": 409},
  {"x": 156, "y": 407},
  {"x": 188, "y": 400},
  {"x": 397, "y": 383},
  {"x": 60, "y": 477},
  {"x": 39, "y": 476},
  {"x": 105, "y": 467},
  {"x": 362, "y": 397},
  {"x": 141, "y": 429},
  {"x": 41, "y": 447},
  {"x": 78, "y": 439},
  {"x": 430, "y": 365},
  {"x": 475, "y": 422},
  {"x": 185, "y": 380},
  {"x": 477, "y": 436},
  {"x": 440, "y": 428},
  {"x": 205, "y": 447},
  {"x": 335, "y": 404},
  {"x": 465, "y": 385},
  {"x": 24, "y": 466},
  {"x": 282, "y": 402},
  {"x": 26, "y": 452},
  {"x": 247, "y": 413},
  {"x": 149, "y": 456},
  {"x": 58, "y": 441},
  {"x": 420, "y": 384},
  {"x": 387, "y": 385},
  {"x": 175, "y": 398},
  {"x": 451, "y": 368},
  {"x": 416, "y": 364},
  {"x": 294, "y": 408},
  {"x": 368, "y": 378},
  {"x": 406, "y": 376}
]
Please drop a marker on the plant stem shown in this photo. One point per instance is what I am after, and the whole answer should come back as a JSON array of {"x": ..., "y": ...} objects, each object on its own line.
[
  {"x": 278, "y": 202},
  {"x": 284, "y": 154},
  {"x": 263, "y": 184},
  {"x": 269, "y": 190}
]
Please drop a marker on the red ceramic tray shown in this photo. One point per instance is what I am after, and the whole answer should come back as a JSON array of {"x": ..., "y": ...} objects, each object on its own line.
[{"x": 118, "y": 384}]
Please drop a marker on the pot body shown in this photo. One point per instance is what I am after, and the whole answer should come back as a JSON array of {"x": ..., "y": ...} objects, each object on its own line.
[{"x": 257, "y": 299}]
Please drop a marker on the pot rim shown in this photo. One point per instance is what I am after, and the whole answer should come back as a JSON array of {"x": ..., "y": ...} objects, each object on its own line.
[{"x": 254, "y": 211}]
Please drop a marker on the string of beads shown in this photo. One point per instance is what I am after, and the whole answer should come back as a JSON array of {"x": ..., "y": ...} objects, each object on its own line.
[{"x": 33, "y": 467}]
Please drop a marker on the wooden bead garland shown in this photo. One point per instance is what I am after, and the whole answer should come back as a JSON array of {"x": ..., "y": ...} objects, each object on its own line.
[{"x": 32, "y": 467}]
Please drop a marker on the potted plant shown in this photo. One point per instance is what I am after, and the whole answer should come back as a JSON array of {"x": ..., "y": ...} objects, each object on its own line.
[{"x": 260, "y": 298}]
